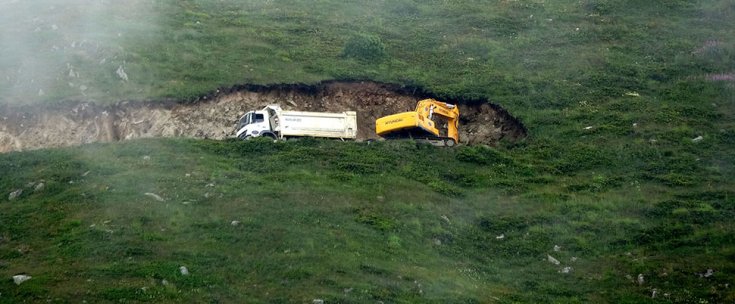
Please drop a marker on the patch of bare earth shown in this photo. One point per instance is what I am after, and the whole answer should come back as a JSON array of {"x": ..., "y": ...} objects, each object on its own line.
[{"x": 27, "y": 127}]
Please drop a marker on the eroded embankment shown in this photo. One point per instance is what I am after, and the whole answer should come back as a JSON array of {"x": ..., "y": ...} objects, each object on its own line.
[{"x": 29, "y": 127}]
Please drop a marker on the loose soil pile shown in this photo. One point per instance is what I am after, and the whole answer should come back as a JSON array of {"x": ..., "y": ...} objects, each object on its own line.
[{"x": 27, "y": 127}]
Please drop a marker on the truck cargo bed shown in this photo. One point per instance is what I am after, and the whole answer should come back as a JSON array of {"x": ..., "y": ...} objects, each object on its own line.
[{"x": 316, "y": 124}]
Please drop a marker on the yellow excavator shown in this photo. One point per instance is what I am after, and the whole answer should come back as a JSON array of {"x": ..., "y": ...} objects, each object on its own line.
[{"x": 421, "y": 125}]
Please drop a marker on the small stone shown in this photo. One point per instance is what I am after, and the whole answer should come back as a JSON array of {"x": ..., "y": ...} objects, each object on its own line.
[
  {"x": 698, "y": 139},
  {"x": 446, "y": 219},
  {"x": 39, "y": 187},
  {"x": 146, "y": 157},
  {"x": 235, "y": 223},
  {"x": 19, "y": 279},
  {"x": 437, "y": 242},
  {"x": 574, "y": 259},
  {"x": 184, "y": 271},
  {"x": 500, "y": 237},
  {"x": 653, "y": 293},
  {"x": 565, "y": 270},
  {"x": 121, "y": 73},
  {"x": 552, "y": 260},
  {"x": 164, "y": 282},
  {"x": 589, "y": 128},
  {"x": 709, "y": 273},
  {"x": 15, "y": 194},
  {"x": 380, "y": 198},
  {"x": 640, "y": 279},
  {"x": 557, "y": 248}
]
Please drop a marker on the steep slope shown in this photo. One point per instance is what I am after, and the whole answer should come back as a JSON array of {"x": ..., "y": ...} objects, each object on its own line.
[
  {"x": 259, "y": 221},
  {"x": 625, "y": 178}
]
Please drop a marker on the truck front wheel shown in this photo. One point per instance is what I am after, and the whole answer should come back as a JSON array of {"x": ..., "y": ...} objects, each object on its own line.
[{"x": 269, "y": 135}]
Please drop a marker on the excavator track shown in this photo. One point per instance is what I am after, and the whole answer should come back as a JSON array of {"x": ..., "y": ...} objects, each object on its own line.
[{"x": 422, "y": 136}]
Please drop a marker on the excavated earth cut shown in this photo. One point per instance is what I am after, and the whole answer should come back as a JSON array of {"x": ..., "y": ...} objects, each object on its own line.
[{"x": 28, "y": 127}]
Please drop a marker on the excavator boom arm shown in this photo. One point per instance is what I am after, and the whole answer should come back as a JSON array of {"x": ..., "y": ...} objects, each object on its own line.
[{"x": 430, "y": 107}]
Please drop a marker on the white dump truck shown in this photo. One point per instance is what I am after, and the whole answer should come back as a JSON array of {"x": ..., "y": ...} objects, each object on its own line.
[{"x": 274, "y": 122}]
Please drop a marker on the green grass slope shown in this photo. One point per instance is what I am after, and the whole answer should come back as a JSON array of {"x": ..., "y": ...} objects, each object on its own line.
[
  {"x": 614, "y": 94},
  {"x": 350, "y": 222}
]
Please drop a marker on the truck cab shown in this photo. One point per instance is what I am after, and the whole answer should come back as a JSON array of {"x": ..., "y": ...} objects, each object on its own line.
[{"x": 255, "y": 124}]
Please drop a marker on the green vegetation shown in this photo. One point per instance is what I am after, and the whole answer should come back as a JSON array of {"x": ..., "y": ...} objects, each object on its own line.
[
  {"x": 365, "y": 47},
  {"x": 613, "y": 92},
  {"x": 351, "y": 222}
]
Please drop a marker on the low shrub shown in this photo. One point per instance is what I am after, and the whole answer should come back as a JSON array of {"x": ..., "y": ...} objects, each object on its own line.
[{"x": 365, "y": 47}]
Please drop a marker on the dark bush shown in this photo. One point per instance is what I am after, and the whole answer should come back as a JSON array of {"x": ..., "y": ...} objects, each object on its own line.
[{"x": 365, "y": 47}]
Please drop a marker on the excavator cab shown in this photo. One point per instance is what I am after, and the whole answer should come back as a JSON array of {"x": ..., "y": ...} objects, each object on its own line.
[{"x": 426, "y": 123}]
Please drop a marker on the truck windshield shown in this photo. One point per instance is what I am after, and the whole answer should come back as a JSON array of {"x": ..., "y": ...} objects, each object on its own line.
[
  {"x": 245, "y": 120},
  {"x": 250, "y": 118}
]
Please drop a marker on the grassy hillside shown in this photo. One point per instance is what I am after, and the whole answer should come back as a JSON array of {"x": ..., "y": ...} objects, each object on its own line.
[
  {"x": 628, "y": 166},
  {"x": 349, "y": 222},
  {"x": 528, "y": 54}
]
